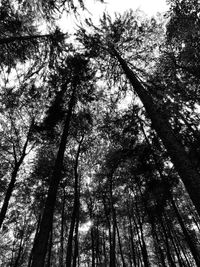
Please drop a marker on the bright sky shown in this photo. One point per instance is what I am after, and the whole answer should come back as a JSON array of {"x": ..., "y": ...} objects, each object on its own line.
[
  {"x": 151, "y": 7},
  {"x": 96, "y": 9}
]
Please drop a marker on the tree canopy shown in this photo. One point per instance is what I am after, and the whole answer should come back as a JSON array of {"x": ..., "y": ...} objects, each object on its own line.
[{"x": 100, "y": 154}]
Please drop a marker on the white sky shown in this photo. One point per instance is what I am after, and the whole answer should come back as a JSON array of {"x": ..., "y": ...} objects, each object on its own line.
[
  {"x": 96, "y": 9},
  {"x": 150, "y": 7}
]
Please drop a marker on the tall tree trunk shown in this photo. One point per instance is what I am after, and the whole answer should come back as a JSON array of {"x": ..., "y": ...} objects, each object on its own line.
[
  {"x": 48, "y": 264},
  {"x": 75, "y": 209},
  {"x": 144, "y": 246},
  {"x": 179, "y": 156},
  {"x": 41, "y": 242},
  {"x": 177, "y": 252},
  {"x": 92, "y": 248},
  {"x": 36, "y": 233},
  {"x": 108, "y": 222},
  {"x": 157, "y": 241},
  {"x": 188, "y": 238},
  {"x": 15, "y": 171},
  {"x": 19, "y": 253},
  {"x": 131, "y": 239},
  {"x": 120, "y": 245},
  {"x": 113, "y": 231},
  {"x": 168, "y": 250},
  {"x": 104, "y": 249},
  {"x": 75, "y": 256},
  {"x": 62, "y": 232}
]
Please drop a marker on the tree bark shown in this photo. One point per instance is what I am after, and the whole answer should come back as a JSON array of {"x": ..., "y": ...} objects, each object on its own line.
[
  {"x": 179, "y": 156},
  {"x": 41, "y": 242}
]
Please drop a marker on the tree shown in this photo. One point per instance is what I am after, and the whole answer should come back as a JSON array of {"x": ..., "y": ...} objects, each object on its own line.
[
  {"x": 78, "y": 77},
  {"x": 110, "y": 43}
]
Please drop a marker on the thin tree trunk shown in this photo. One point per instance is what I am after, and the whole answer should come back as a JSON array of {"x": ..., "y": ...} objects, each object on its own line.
[
  {"x": 169, "y": 256},
  {"x": 185, "y": 254},
  {"x": 41, "y": 242},
  {"x": 98, "y": 255},
  {"x": 104, "y": 250},
  {"x": 132, "y": 243},
  {"x": 108, "y": 222},
  {"x": 179, "y": 248},
  {"x": 75, "y": 210},
  {"x": 113, "y": 233},
  {"x": 139, "y": 240},
  {"x": 177, "y": 253},
  {"x": 188, "y": 239},
  {"x": 131, "y": 235},
  {"x": 50, "y": 248},
  {"x": 93, "y": 248},
  {"x": 14, "y": 174},
  {"x": 36, "y": 233},
  {"x": 62, "y": 232},
  {"x": 158, "y": 245},
  {"x": 120, "y": 245},
  {"x": 179, "y": 156},
  {"x": 19, "y": 253},
  {"x": 75, "y": 257}
]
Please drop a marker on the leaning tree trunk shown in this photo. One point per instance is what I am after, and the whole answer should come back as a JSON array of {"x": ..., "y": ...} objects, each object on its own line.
[
  {"x": 179, "y": 156},
  {"x": 14, "y": 174},
  {"x": 41, "y": 242}
]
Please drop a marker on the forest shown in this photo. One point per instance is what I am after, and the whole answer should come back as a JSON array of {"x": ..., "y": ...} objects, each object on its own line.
[{"x": 99, "y": 136}]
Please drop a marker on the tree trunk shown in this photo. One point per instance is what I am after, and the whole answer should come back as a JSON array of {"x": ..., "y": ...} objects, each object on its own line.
[
  {"x": 50, "y": 248},
  {"x": 108, "y": 222},
  {"x": 188, "y": 239},
  {"x": 75, "y": 210},
  {"x": 180, "y": 159},
  {"x": 104, "y": 250},
  {"x": 75, "y": 257},
  {"x": 157, "y": 242},
  {"x": 36, "y": 233},
  {"x": 19, "y": 253},
  {"x": 168, "y": 251},
  {"x": 41, "y": 242},
  {"x": 11, "y": 185},
  {"x": 131, "y": 236},
  {"x": 62, "y": 232},
  {"x": 120, "y": 245},
  {"x": 113, "y": 227},
  {"x": 92, "y": 248}
]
